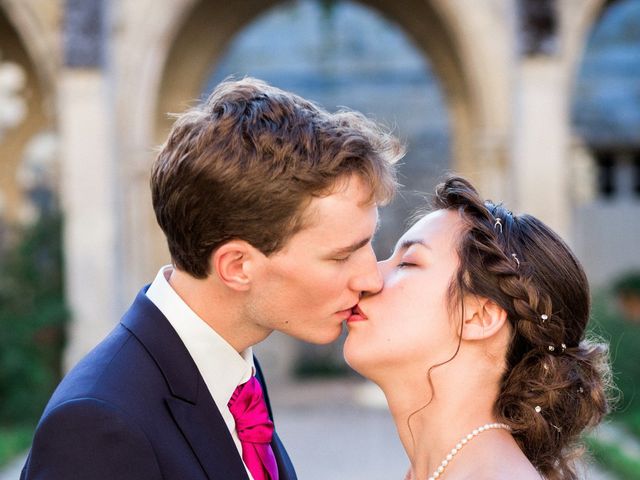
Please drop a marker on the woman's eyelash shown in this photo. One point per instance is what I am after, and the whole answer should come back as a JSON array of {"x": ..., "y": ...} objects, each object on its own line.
[{"x": 405, "y": 264}]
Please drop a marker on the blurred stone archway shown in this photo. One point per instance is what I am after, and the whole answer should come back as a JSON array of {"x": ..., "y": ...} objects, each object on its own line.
[
  {"x": 171, "y": 61},
  {"x": 27, "y": 111},
  {"x": 606, "y": 142},
  {"x": 507, "y": 78}
]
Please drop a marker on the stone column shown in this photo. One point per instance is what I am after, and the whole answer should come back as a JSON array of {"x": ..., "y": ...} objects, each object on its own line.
[
  {"x": 541, "y": 143},
  {"x": 541, "y": 122},
  {"x": 88, "y": 179}
]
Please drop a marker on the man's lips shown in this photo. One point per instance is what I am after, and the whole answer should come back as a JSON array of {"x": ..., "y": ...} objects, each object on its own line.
[
  {"x": 346, "y": 313},
  {"x": 357, "y": 315}
]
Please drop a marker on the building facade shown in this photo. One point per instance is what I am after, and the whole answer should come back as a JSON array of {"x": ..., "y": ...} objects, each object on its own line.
[{"x": 88, "y": 105}]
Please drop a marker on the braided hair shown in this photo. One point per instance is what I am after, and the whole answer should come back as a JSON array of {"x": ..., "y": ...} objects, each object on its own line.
[{"x": 556, "y": 381}]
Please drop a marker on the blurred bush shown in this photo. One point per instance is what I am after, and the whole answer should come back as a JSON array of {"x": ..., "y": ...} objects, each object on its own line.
[
  {"x": 612, "y": 457},
  {"x": 612, "y": 320},
  {"x": 627, "y": 292},
  {"x": 32, "y": 320},
  {"x": 628, "y": 284}
]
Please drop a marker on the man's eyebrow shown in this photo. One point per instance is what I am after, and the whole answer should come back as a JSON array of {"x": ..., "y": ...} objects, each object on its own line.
[
  {"x": 356, "y": 246},
  {"x": 351, "y": 248}
]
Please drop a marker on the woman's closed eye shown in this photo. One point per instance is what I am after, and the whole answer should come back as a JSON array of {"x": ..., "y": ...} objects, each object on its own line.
[{"x": 405, "y": 264}]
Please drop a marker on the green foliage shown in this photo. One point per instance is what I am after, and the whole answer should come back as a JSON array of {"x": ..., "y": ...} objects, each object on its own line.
[
  {"x": 628, "y": 284},
  {"x": 614, "y": 459},
  {"x": 14, "y": 440},
  {"x": 624, "y": 339},
  {"x": 323, "y": 368},
  {"x": 632, "y": 422},
  {"x": 32, "y": 319}
]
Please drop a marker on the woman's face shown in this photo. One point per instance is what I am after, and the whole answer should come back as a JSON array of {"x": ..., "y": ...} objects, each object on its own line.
[{"x": 410, "y": 321}]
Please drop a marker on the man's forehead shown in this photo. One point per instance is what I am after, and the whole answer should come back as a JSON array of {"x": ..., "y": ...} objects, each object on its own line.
[
  {"x": 325, "y": 211},
  {"x": 331, "y": 230}
]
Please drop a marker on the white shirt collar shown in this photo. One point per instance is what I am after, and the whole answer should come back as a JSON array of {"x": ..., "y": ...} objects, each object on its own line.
[{"x": 220, "y": 365}]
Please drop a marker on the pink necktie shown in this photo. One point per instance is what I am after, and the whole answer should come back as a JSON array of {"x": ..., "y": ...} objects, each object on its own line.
[{"x": 255, "y": 430}]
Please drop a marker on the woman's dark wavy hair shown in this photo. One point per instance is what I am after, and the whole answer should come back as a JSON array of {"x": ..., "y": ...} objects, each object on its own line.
[{"x": 527, "y": 269}]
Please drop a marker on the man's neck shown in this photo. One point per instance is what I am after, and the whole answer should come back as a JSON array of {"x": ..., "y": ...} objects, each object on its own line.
[{"x": 218, "y": 308}]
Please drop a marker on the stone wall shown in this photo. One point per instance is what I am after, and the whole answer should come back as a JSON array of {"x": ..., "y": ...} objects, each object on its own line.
[{"x": 506, "y": 73}]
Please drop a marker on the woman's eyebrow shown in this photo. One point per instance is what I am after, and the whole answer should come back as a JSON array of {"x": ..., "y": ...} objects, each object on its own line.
[{"x": 405, "y": 244}]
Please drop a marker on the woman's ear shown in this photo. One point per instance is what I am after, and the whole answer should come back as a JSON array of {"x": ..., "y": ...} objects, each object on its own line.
[
  {"x": 232, "y": 262},
  {"x": 483, "y": 319}
]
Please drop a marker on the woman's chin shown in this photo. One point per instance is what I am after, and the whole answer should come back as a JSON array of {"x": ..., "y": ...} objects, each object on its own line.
[{"x": 358, "y": 357}]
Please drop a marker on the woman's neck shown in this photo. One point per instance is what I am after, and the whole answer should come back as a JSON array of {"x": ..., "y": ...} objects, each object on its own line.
[{"x": 429, "y": 427}]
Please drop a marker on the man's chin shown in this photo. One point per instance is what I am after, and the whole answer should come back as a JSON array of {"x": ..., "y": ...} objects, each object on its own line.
[{"x": 321, "y": 338}]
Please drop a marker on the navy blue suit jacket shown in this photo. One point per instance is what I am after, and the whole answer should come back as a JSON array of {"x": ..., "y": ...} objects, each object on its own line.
[{"x": 136, "y": 407}]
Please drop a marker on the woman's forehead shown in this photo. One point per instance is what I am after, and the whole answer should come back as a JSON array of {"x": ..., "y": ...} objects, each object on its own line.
[{"x": 439, "y": 225}]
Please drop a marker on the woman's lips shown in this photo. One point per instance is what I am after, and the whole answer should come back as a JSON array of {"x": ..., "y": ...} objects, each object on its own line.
[{"x": 357, "y": 315}]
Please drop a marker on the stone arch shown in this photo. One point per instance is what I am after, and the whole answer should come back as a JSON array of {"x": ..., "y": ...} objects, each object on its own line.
[
  {"x": 452, "y": 37},
  {"x": 468, "y": 48},
  {"x": 603, "y": 156},
  {"x": 579, "y": 21},
  {"x": 586, "y": 19},
  {"x": 39, "y": 42},
  {"x": 24, "y": 42}
]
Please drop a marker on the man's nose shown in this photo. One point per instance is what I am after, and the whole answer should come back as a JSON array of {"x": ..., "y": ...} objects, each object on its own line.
[{"x": 370, "y": 280}]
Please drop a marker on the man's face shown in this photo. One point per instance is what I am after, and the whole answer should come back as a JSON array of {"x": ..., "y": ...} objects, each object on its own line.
[{"x": 307, "y": 289}]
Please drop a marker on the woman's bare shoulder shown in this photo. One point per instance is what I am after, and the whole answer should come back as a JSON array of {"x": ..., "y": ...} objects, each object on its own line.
[
  {"x": 520, "y": 471},
  {"x": 507, "y": 467},
  {"x": 501, "y": 461}
]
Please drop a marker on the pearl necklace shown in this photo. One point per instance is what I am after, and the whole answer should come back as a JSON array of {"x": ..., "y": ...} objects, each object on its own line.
[{"x": 463, "y": 441}]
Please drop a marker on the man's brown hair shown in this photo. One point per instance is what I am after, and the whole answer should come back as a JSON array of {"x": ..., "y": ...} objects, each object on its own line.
[{"x": 246, "y": 163}]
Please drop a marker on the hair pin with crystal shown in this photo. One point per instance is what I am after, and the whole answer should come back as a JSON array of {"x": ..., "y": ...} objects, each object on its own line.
[
  {"x": 498, "y": 224},
  {"x": 515, "y": 257}
]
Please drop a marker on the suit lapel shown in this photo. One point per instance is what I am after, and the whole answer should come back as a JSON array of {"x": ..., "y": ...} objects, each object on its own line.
[
  {"x": 209, "y": 439},
  {"x": 285, "y": 467},
  {"x": 190, "y": 403}
]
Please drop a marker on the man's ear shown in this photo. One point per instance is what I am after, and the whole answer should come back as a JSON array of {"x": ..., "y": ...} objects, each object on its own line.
[
  {"x": 232, "y": 263},
  {"x": 483, "y": 318}
]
